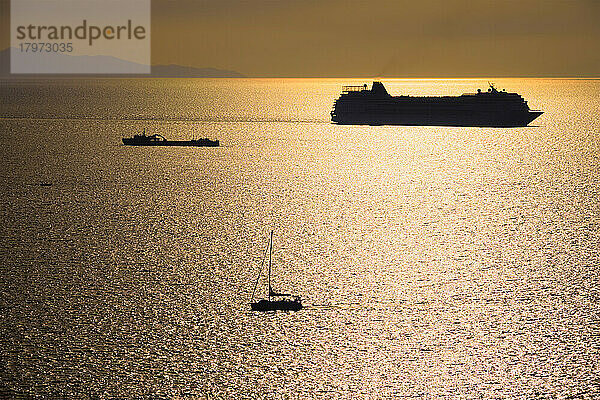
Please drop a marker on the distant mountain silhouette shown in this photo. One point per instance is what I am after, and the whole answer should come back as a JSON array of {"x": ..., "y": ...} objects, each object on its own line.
[
  {"x": 170, "y": 71},
  {"x": 173, "y": 70}
]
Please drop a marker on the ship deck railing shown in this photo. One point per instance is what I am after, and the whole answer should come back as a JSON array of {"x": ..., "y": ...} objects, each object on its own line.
[{"x": 347, "y": 89}]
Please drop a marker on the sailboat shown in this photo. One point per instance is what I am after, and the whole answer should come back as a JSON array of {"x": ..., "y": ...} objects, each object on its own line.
[{"x": 275, "y": 301}]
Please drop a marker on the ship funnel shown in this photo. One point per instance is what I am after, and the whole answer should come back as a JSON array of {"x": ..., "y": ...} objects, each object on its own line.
[{"x": 379, "y": 90}]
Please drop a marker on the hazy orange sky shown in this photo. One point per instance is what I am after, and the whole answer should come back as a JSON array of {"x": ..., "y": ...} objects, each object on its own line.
[{"x": 306, "y": 38}]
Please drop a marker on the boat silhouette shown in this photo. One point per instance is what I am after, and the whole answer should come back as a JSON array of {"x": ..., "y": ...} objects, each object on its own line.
[
  {"x": 359, "y": 105},
  {"x": 274, "y": 301},
  {"x": 142, "y": 139}
]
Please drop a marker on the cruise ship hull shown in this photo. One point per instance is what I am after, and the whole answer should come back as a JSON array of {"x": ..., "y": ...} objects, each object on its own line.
[{"x": 439, "y": 118}]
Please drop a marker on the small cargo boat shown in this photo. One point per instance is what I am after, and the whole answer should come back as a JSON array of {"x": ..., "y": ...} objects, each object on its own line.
[{"x": 158, "y": 140}]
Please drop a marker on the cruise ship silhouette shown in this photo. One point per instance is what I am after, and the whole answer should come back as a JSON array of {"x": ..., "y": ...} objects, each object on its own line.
[{"x": 359, "y": 105}]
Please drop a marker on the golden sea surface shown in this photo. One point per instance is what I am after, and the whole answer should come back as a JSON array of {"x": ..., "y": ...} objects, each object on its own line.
[{"x": 434, "y": 262}]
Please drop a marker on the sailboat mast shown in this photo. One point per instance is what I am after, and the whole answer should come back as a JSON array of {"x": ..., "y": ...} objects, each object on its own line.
[
  {"x": 262, "y": 264},
  {"x": 270, "y": 254}
]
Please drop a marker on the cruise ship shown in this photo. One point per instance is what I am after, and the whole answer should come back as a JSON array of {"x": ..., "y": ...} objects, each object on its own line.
[{"x": 359, "y": 105}]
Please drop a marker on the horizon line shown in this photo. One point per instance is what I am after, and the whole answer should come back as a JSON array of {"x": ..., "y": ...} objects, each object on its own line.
[{"x": 149, "y": 76}]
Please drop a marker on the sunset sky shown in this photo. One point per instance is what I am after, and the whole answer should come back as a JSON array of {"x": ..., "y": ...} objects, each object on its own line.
[{"x": 295, "y": 38}]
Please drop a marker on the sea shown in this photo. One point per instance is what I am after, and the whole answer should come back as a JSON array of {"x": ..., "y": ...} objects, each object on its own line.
[{"x": 433, "y": 262}]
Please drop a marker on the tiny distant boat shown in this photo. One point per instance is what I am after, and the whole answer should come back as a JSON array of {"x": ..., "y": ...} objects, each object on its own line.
[
  {"x": 275, "y": 301},
  {"x": 158, "y": 140}
]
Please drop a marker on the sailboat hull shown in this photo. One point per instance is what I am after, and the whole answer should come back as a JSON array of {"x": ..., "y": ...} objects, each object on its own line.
[{"x": 284, "y": 305}]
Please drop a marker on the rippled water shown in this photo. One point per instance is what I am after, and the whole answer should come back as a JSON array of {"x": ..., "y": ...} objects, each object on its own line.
[{"x": 434, "y": 262}]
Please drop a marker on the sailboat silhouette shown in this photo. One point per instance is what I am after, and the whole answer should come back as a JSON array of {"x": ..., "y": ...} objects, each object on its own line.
[{"x": 275, "y": 301}]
